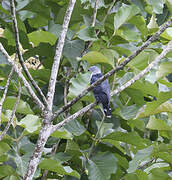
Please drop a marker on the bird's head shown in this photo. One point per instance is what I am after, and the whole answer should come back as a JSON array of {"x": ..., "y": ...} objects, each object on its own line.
[{"x": 94, "y": 70}]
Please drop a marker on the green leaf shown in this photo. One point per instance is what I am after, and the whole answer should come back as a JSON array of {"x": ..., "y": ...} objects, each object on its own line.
[
  {"x": 165, "y": 107},
  {"x": 75, "y": 127},
  {"x": 62, "y": 134},
  {"x": 4, "y": 147},
  {"x": 157, "y": 6},
  {"x": 158, "y": 174},
  {"x": 111, "y": 55},
  {"x": 73, "y": 49},
  {"x": 139, "y": 157},
  {"x": 78, "y": 84},
  {"x": 158, "y": 124},
  {"x": 140, "y": 23},
  {"x": 115, "y": 143},
  {"x": 129, "y": 34},
  {"x": 87, "y": 34},
  {"x": 57, "y": 28},
  {"x": 55, "y": 166},
  {"x": 164, "y": 69},
  {"x": 22, "y": 107},
  {"x": 163, "y": 97},
  {"x": 6, "y": 171},
  {"x": 146, "y": 88},
  {"x": 12, "y": 177},
  {"x": 122, "y": 161},
  {"x": 166, "y": 156},
  {"x": 38, "y": 21},
  {"x": 105, "y": 129},
  {"x": 141, "y": 175},
  {"x": 129, "y": 138},
  {"x": 31, "y": 122},
  {"x": 129, "y": 112},
  {"x": 37, "y": 37},
  {"x": 26, "y": 14},
  {"x": 136, "y": 96},
  {"x": 101, "y": 166},
  {"x": 21, "y": 4},
  {"x": 142, "y": 60},
  {"x": 167, "y": 34},
  {"x": 40, "y": 74},
  {"x": 94, "y": 57},
  {"x": 124, "y": 14},
  {"x": 4, "y": 157},
  {"x": 9, "y": 36}
]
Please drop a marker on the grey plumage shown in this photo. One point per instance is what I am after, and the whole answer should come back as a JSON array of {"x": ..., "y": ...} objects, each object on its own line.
[{"x": 102, "y": 91}]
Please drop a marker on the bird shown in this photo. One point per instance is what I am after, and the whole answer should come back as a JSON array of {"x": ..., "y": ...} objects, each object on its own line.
[{"x": 102, "y": 91}]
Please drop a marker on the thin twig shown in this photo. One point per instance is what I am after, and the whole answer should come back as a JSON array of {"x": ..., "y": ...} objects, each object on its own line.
[
  {"x": 59, "y": 48},
  {"x": 16, "y": 33},
  {"x": 95, "y": 13},
  {"x": 96, "y": 137},
  {"x": 145, "y": 71},
  {"x": 90, "y": 106},
  {"x": 5, "y": 91},
  {"x": 66, "y": 88},
  {"x": 25, "y": 82},
  {"x": 97, "y": 33},
  {"x": 113, "y": 71},
  {"x": 13, "y": 113}
]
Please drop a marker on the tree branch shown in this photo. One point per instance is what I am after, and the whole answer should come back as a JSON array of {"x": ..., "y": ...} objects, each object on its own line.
[
  {"x": 16, "y": 33},
  {"x": 145, "y": 71},
  {"x": 46, "y": 128},
  {"x": 13, "y": 112},
  {"x": 130, "y": 82},
  {"x": 59, "y": 48},
  {"x": 25, "y": 82},
  {"x": 95, "y": 13},
  {"x": 45, "y": 132},
  {"x": 5, "y": 91},
  {"x": 113, "y": 71},
  {"x": 97, "y": 33}
]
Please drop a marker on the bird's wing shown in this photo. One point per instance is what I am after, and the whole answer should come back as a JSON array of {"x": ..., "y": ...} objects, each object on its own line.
[{"x": 103, "y": 87}]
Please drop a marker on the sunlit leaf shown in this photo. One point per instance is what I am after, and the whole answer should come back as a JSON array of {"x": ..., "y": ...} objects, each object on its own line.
[
  {"x": 37, "y": 37},
  {"x": 55, "y": 166}
]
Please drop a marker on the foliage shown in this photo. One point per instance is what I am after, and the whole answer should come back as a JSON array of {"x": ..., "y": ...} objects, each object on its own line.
[{"x": 136, "y": 142}]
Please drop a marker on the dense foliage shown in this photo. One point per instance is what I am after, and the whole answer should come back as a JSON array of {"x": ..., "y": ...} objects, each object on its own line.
[{"x": 136, "y": 142}]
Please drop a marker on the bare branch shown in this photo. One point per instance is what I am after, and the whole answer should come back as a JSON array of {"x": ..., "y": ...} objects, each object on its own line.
[
  {"x": 16, "y": 33},
  {"x": 53, "y": 151},
  {"x": 5, "y": 91},
  {"x": 113, "y": 71},
  {"x": 25, "y": 82},
  {"x": 45, "y": 132},
  {"x": 140, "y": 75},
  {"x": 59, "y": 48},
  {"x": 97, "y": 33},
  {"x": 46, "y": 128},
  {"x": 13, "y": 112},
  {"x": 95, "y": 13},
  {"x": 73, "y": 116},
  {"x": 145, "y": 71}
]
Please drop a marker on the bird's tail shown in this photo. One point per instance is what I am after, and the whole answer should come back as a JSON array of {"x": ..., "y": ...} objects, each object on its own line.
[{"x": 107, "y": 111}]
